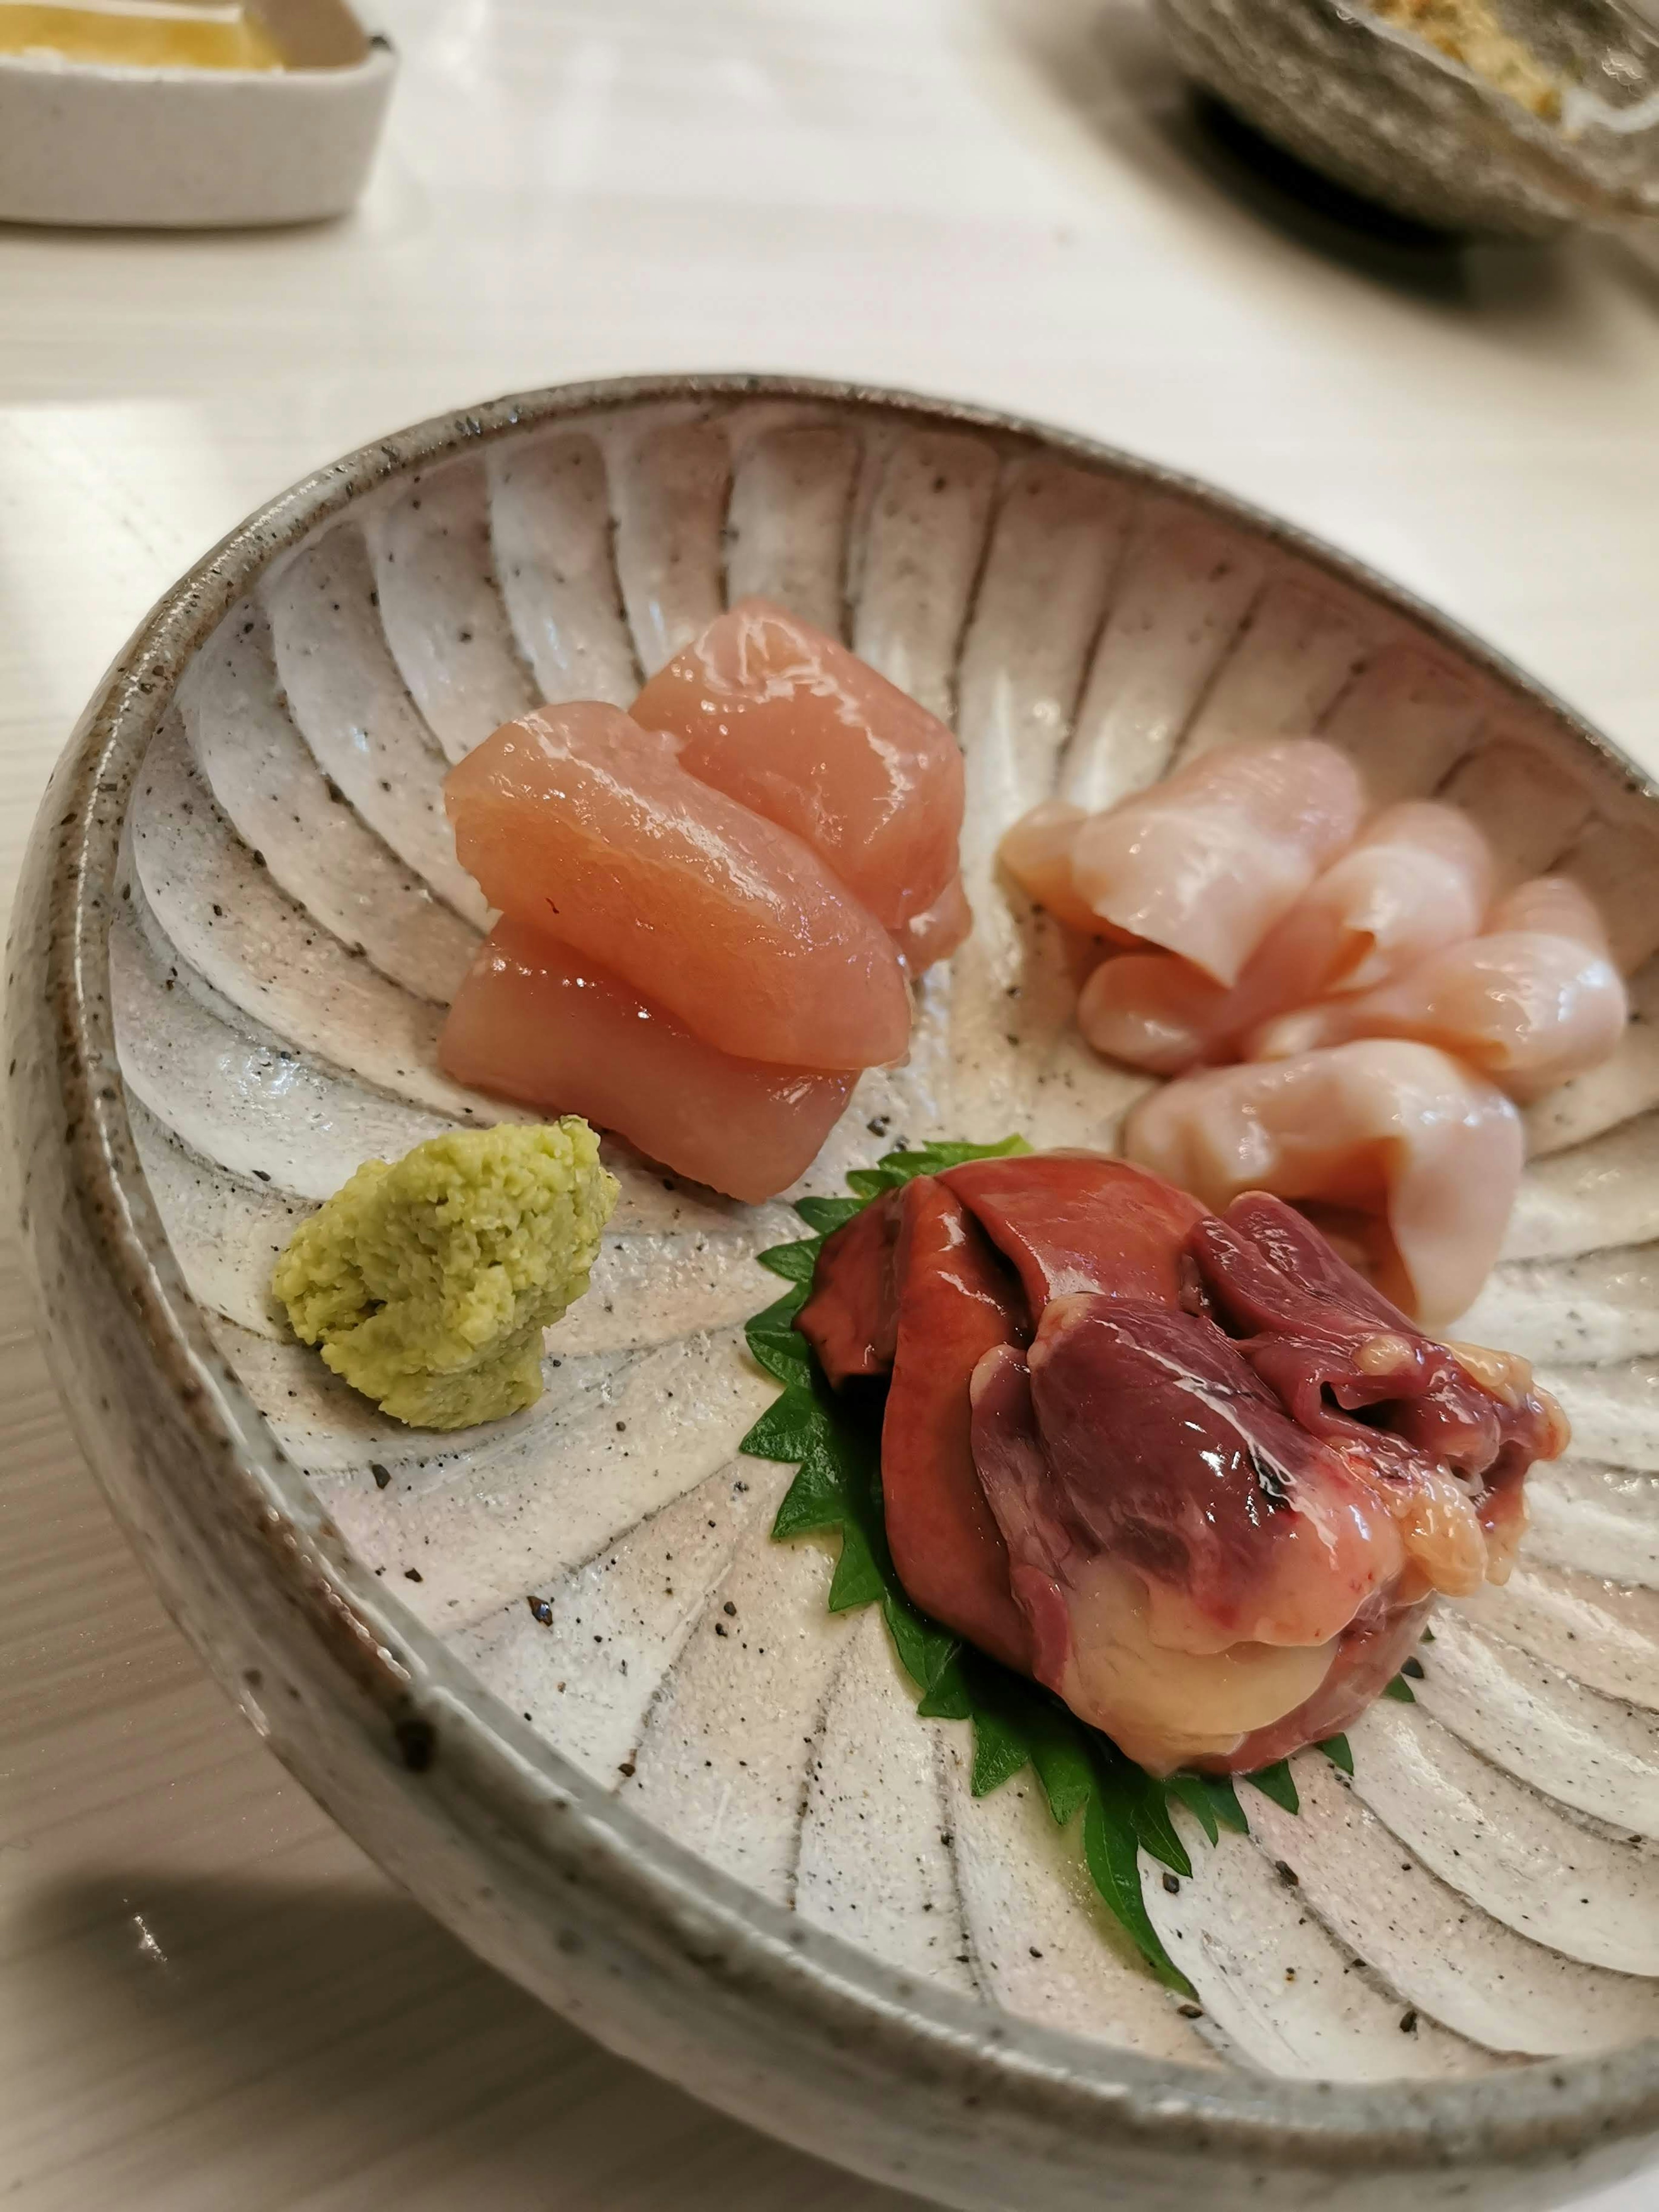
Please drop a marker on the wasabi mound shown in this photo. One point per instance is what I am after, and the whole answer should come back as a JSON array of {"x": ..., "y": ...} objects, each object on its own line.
[{"x": 426, "y": 1285}]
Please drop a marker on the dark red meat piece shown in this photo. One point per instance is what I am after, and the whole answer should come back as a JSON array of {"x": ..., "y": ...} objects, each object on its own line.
[
  {"x": 1079, "y": 1221},
  {"x": 956, "y": 1302},
  {"x": 1195, "y": 1475}
]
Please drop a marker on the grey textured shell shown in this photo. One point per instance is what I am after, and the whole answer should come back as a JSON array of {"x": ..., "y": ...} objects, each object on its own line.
[
  {"x": 672, "y": 1796},
  {"x": 1387, "y": 114}
]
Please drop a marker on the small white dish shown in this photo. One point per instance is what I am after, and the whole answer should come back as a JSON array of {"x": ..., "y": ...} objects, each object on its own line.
[{"x": 93, "y": 143}]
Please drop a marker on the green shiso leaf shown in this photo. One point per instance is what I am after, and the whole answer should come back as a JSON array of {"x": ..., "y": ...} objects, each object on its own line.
[
  {"x": 826, "y": 1215},
  {"x": 1111, "y": 1851},
  {"x": 834, "y": 1442},
  {"x": 1401, "y": 1691},
  {"x": 1336, "y": 1749},
  {"x": 794, "y": 1262},
  {"x": 1278, "y": 1782}
]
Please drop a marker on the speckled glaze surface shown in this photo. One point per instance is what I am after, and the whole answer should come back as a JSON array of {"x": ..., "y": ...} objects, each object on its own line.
[
  {"x": 553, "y": 1675},
  {"x": 1387, "y": 114}
]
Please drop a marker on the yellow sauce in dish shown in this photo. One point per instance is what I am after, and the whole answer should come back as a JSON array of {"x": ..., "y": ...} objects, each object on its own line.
[
  {"x": 139, "y": 34},
  {"x": 1471, "y": 32}
]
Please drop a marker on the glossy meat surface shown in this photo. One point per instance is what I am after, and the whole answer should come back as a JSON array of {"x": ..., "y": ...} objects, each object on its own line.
[
  {"x": 1080, "y": 1221},
  {"x": 536, "y": 1021},
  {"x": 1188, "y": 1558},
  {"x": 1418, "y": 878},
  {"x": 782, "y": 717},
  {"x": 577, "y": 821},
  {"x": 1530, "y": 1003},
  {"x": 1037, "y": 853},
  {"x": 1206, "y": 863},
  {"x": 1418, "y": 1159},
  {"x": 1193, "y": 1473},
  {"x": 954, "y": 1304},
  {"x": 935, "y": 933}
]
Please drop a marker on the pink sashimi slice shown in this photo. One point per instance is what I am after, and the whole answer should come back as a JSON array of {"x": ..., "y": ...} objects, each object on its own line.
[
  {"x": 576, "y": 821},
  {"x": 1418, "y": 878},
  {"x": 540, "y": 1024},
  {"x": 1416, "y": 1157},
  {"x": 1530, "y": 1003},
  {"x": 1206, "y": 863},
  {"x": 935, "y": 933},
  {"x": 782, "y": 718}
]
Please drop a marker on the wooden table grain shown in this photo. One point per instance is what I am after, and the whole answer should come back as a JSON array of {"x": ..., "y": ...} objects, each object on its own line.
[{"x": 208, "y": 2001}]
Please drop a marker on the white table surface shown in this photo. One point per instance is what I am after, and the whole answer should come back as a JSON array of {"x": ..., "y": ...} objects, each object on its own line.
[{"x": 208, "y": 2001}]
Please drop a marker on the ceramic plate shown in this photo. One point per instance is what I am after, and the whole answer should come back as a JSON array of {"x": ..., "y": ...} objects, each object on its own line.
[{"x": 554, "y": 1673}]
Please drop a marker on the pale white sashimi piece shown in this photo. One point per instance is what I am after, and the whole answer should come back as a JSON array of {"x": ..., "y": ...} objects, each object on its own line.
[
  {"x": 242, "y": 1095},
  {"x": 1531, "y": 1002},
  {"x": 1418, "y": 1157},
  {"x": 1539, "y": 1869},
  {"x": 349, "y": 703},
  {"x": 1150, "y": 1011},
  {"x": 551, "y": 520},
  {"x": 442, "y": 608},
  {"x": 1444, "y": 1956},
  {"x": 1418, "y": 878},
  {"x": 1594, "y": 1520},
  {"x": 269, "y": 784},
  {"x": 1618, "y": 863},
  {"x": 1530, "y": 808},
  {"x": 1594, "y": 1753},
  {"x": 921, "y": 552},
  {"x": 670, "y": 489},
  {"x": 1600, "y": 1308},
  {"x": 874, "y": 1865},
  {"x": 1606, "y": 1637},
  {"x": 583, "y": 1655},
  {"x": 1297, "y": 653},
  {"x": 1624, "y": 1085},
  {"x": 727, "y": 1749},
  {"x": 1289, "y": 2000},
  {"x": 1185, "y": 589},
  {"x": 1597, "y": 1194},
  {"x": 251, "y": 943},
  {"x": 656, "y": 1424},
  {"x": 787, "y": 527},
  {"x": 1036, "y": 852},
  {"x": 1405, "y": 720},
  {"x": 1206, "y": 864},
  {"x": 1045, "y": 1946}
]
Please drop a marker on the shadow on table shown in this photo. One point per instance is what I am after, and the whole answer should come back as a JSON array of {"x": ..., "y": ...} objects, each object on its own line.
[
  {"x": 388, "y": 2064},
  {"x": 1105, "y": 63}
]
